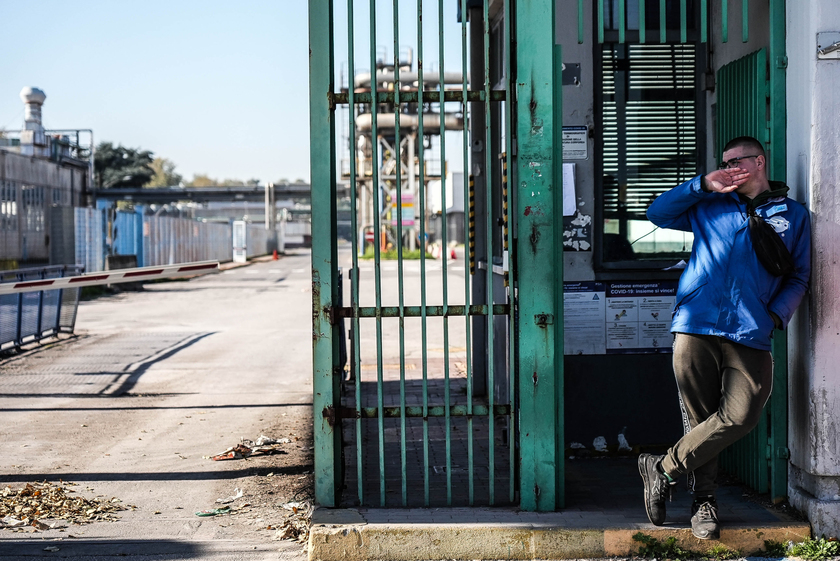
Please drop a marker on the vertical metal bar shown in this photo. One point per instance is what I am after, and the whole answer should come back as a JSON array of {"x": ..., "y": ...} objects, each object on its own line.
[
  {"x": 422, "y": 190},
  {"x": 724, "y": 26},
  {"x": 511, "y": 257},
  {"x": 662, "y": 22},
  {"x": 600, "y": 22},
  {"x": 354, "y": 227},
  {"x": 377, "y": 258},
  {"x": 400, "y": 272},
  {"x": 778, "y": 172},
  {"x": 60, "y": 299},
  {"x": 683, "y": 21},
  {"x": 325, "y": 340},
  {"x": 704, "y": 21},
  {"x": 537, "y": 257},
  {"x": 488, "y": 219},
  {"x": 558, "y": 351},
  {"x": 446, "y": 396},
  {"x": 580, "y": 24},
  {"x": 745, "y": 22},
  {"x": 40, "y": 315},
  {"x": 621, "y": 26},
  {"x": 19, "y": 324},
  {"x": 467, "y": 253},
  {"x": 642, "y": 22}
]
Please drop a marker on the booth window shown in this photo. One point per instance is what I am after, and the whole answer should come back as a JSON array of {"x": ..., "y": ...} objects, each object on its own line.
[{"x": 650, "y": 115}]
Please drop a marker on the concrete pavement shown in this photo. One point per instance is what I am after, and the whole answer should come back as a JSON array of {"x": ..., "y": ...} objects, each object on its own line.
[
  {"x": 157, "y": 380},
  {"x": 152, "y": 385},
  {"x": 604, "y": 510}
]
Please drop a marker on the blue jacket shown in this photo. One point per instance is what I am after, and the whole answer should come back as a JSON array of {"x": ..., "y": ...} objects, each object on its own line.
[{"x": 724, "y": 290}]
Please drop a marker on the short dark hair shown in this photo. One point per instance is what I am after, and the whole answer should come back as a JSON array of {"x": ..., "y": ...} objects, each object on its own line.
[{"x": 747, "y": 142}]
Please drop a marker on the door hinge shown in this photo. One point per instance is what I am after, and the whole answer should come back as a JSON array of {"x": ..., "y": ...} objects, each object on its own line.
[{"x": 781, "y": 62}]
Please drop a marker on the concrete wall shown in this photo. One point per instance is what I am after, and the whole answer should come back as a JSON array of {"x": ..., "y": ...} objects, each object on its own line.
[
  {"x": 40, "y": 171},
  {"x": 578, "y": 110},
  {"x": 19, "y": 242},
  {"x": 813, "y": 138}
]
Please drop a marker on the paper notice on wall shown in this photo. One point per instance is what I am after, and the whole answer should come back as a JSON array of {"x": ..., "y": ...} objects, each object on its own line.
[
  {"x": 620, "y": 317},
  {"x": 569, "y": 192},
  {"x": 583, "y": 318},
  {"x": 638, "y": 316}
]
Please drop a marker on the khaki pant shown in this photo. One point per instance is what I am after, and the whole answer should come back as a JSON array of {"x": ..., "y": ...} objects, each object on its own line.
[{"x": 723, "y": 388}]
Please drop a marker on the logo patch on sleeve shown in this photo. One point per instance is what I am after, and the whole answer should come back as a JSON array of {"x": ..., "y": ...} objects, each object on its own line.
[{"x": 779, "y": 223}]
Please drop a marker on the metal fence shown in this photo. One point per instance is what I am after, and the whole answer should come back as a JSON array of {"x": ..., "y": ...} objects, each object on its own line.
[
  {"x": 90, "y": 238},
  {"x": 161, "y": 240},
  {"x": 257, "y": 240},
  {"x": 167, "y": 240},
  {"x": 32, "y": 316}
]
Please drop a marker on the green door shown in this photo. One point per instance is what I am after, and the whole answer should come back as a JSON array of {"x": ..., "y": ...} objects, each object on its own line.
[{"x": 744, "y": 103}]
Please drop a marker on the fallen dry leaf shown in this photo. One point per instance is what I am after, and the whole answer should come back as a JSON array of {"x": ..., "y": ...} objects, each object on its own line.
[{"x": 37, "y": 501}]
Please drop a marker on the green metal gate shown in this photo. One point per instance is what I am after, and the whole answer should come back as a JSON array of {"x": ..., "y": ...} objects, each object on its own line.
[
  {"x": 748, "y": 105},
  {"x": 452, "y": 391}
]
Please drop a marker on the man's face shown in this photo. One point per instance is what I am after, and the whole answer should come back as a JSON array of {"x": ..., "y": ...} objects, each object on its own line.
[{"x": 746, "y": 158}]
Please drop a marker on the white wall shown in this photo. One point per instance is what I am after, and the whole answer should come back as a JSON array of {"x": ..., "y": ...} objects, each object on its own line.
[{"x": 813, "y": 146}]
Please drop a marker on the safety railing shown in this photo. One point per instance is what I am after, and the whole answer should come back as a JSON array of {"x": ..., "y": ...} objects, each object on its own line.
[{"x": 32, "y": 316}]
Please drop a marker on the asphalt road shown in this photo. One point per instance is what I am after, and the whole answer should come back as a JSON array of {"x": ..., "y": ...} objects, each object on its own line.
[{"x": 153, "y": 384}]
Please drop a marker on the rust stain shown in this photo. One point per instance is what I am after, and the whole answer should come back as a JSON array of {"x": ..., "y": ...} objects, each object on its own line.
[
  {"x": 534, "y": 238},
  {"x": 316, "y": 302},
  {"x": 329, "y": 415},
  {"x": 527, "y": 210}
]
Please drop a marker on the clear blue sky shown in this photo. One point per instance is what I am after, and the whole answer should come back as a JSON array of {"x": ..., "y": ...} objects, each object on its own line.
[{"x": 219, "y": 88}]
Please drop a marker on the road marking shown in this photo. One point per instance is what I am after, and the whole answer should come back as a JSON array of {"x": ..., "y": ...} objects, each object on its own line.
[{"x": 298, "y": 270}]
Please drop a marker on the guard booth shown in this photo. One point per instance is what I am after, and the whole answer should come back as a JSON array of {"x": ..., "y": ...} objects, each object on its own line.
[{"x": 441, "y": 381}]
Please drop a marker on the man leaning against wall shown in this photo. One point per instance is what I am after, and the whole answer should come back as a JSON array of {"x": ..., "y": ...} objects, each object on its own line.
[{"x": 748, "y": 271}]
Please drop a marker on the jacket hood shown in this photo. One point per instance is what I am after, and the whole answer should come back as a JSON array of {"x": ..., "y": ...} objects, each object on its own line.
[{"x": 777, "y": 189}]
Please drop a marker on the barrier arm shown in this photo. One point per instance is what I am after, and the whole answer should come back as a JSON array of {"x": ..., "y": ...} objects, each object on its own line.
[{"x": 112, "y": 277}]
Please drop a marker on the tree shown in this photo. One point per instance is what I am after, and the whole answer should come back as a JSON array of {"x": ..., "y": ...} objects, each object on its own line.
[
  {"x": 165, "y": 175},
  {"x": 204, "y": 180},
  {"x": 201, "y": 180},
  {"x": 122, "y": 167}
]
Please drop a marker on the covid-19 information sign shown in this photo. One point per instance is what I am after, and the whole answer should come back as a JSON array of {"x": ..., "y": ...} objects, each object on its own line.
[{"x": 618, "y": 317}]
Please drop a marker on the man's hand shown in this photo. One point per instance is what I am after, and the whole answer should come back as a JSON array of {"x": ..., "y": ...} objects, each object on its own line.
[{"x": 725, "y": 180}]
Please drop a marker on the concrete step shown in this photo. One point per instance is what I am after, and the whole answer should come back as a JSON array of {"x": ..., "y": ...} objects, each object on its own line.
[{"x": 506, "y": 534}]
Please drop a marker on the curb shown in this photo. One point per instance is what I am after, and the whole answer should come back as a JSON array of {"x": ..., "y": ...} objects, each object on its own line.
[{"x": 345, "y": 534}]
